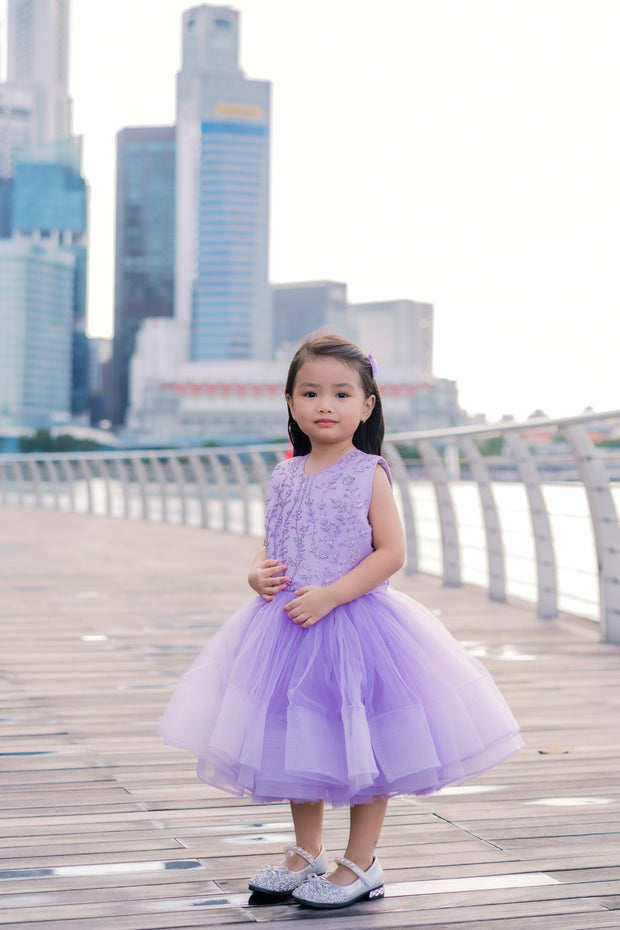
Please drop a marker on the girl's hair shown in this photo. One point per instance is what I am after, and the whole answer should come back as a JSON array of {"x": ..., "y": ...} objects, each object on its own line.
[{"x": 369, "y": 435}]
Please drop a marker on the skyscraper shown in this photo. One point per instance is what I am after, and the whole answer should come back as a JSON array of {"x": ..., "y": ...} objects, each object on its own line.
[
  {"x": 17, "y": 124},
  {"x": 50, "y": 205},
  {"x": 36, "y": 296},
  {"x": 145, "y": 254},
  {"x": 222, "y": 298},
  {"x": 38, "y": 58}
]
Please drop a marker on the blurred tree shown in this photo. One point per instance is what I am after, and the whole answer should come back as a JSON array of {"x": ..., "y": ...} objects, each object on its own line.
[{"x": 43, "y": 441}]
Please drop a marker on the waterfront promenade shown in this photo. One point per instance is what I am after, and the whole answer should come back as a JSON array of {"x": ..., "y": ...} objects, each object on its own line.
[{"x": 102, "y": 826}]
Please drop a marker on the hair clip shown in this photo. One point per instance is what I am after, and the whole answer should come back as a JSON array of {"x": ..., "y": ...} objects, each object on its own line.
[{"x": 373, "y": 365}]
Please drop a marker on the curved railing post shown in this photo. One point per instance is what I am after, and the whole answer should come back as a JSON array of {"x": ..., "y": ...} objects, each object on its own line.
[
  {"x": 447, "y": 518},
  {"x": 88, "y": 478},
  {"x": 52, "y": 477},
  {"x": 141, "y": 475},
  {"x": 18, "y": 477},
  {"x": 160, "y": 477},
  {"x": 122, "y": 475},
  {"x": 202, "y": 483},
  {"x": 222, "y": 484},
  {"x": 65, "y": 467},
  {"x": 401, "y": 477},
  {"x": 104, "y": 471},
  {"x": 605, "y": 527},
  {"x": 179, "y": 476},
  {"x": 242, "y": 481},
  {"x": 546, "y": 575},
  {"x": 492, "y": 530},
  {"x": 261, "y": 472},
  {"x": 35, "y": 475}
]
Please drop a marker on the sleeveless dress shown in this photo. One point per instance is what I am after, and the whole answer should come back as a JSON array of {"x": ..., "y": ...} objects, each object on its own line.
[{"x": 377, "y": 698}]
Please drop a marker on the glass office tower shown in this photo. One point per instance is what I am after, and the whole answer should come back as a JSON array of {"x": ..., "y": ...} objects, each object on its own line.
[
  {"x": 36, "y": 284},
  {"x": 50, "y": 205},
  {"x": 145, "y": 236},
  {"x": 49, "y": 193},
  {"x": 223, "y": 298}
]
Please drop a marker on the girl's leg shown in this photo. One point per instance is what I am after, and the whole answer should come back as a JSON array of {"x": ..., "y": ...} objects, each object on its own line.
[
  {"x": 308, "y": 821},
  {"x": 366, "y": 823}
]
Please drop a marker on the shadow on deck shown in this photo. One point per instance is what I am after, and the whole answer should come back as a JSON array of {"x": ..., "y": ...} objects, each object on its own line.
[{"x": 104, "y": 827}]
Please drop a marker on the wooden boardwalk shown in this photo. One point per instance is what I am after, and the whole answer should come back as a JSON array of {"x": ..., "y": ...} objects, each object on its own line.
[{"x": 102, "y": 826}]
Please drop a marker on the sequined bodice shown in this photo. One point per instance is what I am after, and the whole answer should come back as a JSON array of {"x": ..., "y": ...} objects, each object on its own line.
[{"x": 318, "y": 524}]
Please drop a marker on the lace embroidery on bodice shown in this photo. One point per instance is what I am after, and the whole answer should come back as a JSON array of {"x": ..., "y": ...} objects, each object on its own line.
[{"x": 317, "y": 524}]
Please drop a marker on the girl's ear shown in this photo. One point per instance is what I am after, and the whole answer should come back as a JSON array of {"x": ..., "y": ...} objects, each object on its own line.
[
  {"x": 369, "y": 406},
  {"x": 289, "y": 401}
]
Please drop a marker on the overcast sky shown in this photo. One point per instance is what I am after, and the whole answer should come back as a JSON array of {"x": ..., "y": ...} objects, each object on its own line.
[{"x": 462, "y": 152}]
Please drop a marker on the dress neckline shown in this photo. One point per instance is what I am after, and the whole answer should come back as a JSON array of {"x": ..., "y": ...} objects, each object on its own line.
[{"x": 324, "y": 470}]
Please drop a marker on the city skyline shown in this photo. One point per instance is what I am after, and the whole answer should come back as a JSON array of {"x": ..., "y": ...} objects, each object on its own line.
[{"x": 461, "y": 154}]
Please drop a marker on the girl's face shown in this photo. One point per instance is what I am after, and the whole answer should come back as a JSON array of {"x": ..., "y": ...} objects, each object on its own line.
[{"x": 328, "y": 401}]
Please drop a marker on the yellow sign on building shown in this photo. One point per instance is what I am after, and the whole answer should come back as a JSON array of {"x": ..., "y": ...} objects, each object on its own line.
[{"x": 243, "y": 110}]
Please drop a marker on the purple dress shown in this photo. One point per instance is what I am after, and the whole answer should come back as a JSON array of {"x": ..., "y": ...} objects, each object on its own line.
[{"x": 377, "y": 698}]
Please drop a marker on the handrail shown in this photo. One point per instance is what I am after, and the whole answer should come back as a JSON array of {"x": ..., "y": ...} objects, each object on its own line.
[{"x": 224, "y": 488}]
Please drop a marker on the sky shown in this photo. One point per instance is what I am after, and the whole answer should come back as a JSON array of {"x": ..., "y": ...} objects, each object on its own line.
[{"x": 460, "y": 152}]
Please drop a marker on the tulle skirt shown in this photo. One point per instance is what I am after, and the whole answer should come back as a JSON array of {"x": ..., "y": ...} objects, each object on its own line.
[{"x": 376, "y": 699}]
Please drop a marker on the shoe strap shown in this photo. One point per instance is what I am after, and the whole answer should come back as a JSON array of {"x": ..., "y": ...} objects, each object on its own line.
[
  {"x": 354, "y": 868},
  {"x": 303, "y": 853}
]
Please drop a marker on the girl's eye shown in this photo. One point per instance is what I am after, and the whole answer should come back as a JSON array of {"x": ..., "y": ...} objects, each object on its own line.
[
  {"x": 309, "y": 394},
  {"x": 342, "y": 394}
]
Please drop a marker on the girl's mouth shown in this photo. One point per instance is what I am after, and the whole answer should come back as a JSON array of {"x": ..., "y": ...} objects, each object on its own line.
[{"x": 324, "y": 422}]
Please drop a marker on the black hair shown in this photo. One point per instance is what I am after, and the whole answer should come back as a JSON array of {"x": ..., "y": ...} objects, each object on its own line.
[{"x": 368, "y": 436}]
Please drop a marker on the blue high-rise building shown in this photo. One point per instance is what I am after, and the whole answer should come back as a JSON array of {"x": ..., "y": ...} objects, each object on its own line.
[
  {"x": 43, "y": 223},
  {"x": 50, "y": 205},
  {"x": 145, "y": 236},
  {"x": 50, "y": 195},
  {"x": 6, "y": 190},
  {"x": 223, "y": 298},
  {"x": 36, "y": 298}
]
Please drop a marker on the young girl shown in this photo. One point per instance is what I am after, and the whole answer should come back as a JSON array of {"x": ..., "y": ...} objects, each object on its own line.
[{"x": 329, "y": 686}]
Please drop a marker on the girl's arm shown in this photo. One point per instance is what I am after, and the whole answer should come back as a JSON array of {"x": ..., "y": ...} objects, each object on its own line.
[
  {"x": 265, "y": 575},
  {"x": 313, "y": 602}
]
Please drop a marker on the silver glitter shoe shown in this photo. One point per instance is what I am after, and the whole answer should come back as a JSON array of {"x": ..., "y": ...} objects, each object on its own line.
[
  {"x": 320, "y": 892},
  {"x": 279, "y": 881}
]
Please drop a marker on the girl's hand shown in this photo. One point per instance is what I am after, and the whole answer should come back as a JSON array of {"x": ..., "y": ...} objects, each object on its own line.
[
  {"x": 310, "y": 605},
  {"x": 267, "y": 579}
]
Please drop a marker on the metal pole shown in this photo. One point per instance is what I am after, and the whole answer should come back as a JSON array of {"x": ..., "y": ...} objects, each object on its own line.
[
  {"x": 447, "y": 519},
  {"x": 605, "y": 526},
  {"x": 202, "y": 483},
  {"x": 541, "y": 528},
  {"x": 493, "y": 534},
  {"x": 401, "y": 477},
  {"x": 179, "y": 476},
  {"x": 242, "y": 481}
]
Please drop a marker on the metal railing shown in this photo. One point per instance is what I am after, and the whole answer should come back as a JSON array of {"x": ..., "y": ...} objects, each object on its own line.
[{"x": 451, "y": 495}]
